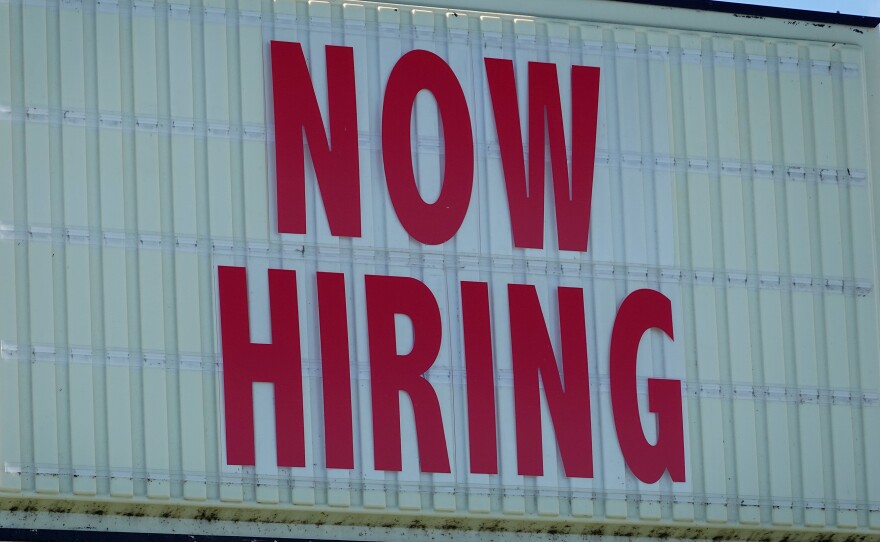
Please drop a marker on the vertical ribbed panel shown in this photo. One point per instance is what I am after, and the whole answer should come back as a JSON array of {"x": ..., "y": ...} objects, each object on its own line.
[{"x": 732, "y": 174}]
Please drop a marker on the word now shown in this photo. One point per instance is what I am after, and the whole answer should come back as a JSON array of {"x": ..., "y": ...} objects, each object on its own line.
[
  {"x": 336, "y": 164},
  {"x": 566, "y": 389}
]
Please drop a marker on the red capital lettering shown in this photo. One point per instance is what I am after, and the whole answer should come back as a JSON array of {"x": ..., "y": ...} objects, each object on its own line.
[
  {"x": 640, "y": 311},
  {"x": 525, "y": 198},
  {"x": 391, "y": 373},
  {"x": 428, "y": 223},
  {"x": 480, "y": 377},
  {"x": 533, "y": 358},
  {"x": 297, "y": 113},
  {"x": 245, "y": 363},
  {"x": 335, "y": 376}
]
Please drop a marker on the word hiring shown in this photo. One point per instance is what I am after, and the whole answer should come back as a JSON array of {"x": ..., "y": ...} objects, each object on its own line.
[
  {"x": 297, "y": 116},
  {"x": 534, "y": 362}
]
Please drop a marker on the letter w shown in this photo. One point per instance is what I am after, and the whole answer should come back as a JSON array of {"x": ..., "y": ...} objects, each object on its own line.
[
  {"x": 526, "y": 197},
  {"x": 297, "y": 114}
]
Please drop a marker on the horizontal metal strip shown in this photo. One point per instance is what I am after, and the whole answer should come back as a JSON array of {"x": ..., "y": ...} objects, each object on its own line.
[
  {"x": 434, "y": 145},
  {"x": 290, "y": 251},
  {"x": 525, "y": 39},
  {"x": 290, "y": 477},
  {"x": 67, "y": 533},
  {"x": 311, "y": 368}
]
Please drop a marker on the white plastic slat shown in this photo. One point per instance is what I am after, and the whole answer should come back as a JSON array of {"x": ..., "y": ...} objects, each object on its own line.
[
  {"x": 82, "y": 429},
  {"x": 256, "y": 210},
  {"x": 373, "y": 495},
  {"x": 42, "y": 306},
  {"x": 74, "y": 175},
  {"x": 8, "y": 324},
  {"x": 5, "y": 57},
  {"x": 151, "y": 301},
  {"x": 798, "y": 201},
  {"x": 10, "y": 478},
  {"x": 252, "y": 76},
  {"x": 183, "y": 185},
  {"x": 725, "y": 99},
  {"x": 39, "y": 211},
  {"x": 144, "y": 50},
  {"x": 733, "y": 223},
  {"x": 149, "y": 214},
  {"x": 661, "y": 142},
  {"x": 110, "y": 176},
  {"x": 547, "y": 294},
  {"x": 871, "y": 417},
  {"x": 759, "y": 101},
  {"x": 367, "y": 119},
  {"x": 791, "y": 108},
  {"x": 700, "y": 220},
  {"x": 468, "y": 240},
  {"x": 192, "y": 427},
  {"x": 72, "y": 60},
  {"x": 777, "y": 419},
  {"x": 627, "y": 91},
  {"x": 35, "y": 57},
  {"x": 766, "y": 225},
  {"x": 854, "y": 111},
  {"x": 512, "y": 500},
  {"x": 314, "y": 47},
  {"x": 180, "y": 67},
  {"x": 427, "y": 166},
  {"x": 108, "y": 65},
  {"x": 443, "y": 484},
  {"x": 495, "y": 220},
  {"x": 713, "y": 467},
  {"x": 810, "y": 446},
  {"x": 636, "y": 239},
  {"x": 119, "y": 430},
  {"x": 692, "y": 87},
  {"x": 611, "y": 467},
  {"x": 115, "y": 311},
  {"x": 869, "y": 380},
  {"x": 823, "y": 106},
  {"x": 45, "y": 426},
  {"x": 6, "y": 182},
  {"x": 860, "y": 211},
  {"x": 216, "y": 73},
  {"x": 220, "y": 189},
  {"x": 156, "y": 433}
]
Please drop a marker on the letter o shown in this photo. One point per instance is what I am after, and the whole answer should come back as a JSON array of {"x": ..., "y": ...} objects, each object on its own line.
[{"x": 428, "y": 223}]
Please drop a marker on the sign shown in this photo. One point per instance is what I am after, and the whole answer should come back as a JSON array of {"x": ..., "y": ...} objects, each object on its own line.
[{"x": 544, "y": 366}]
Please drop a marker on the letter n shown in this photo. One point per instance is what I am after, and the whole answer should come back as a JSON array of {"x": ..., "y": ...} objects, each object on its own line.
[
  {"x": 567, "y": 391},
  {"x": 297, "y": 115},
  {"x": 245, "y": 363}
]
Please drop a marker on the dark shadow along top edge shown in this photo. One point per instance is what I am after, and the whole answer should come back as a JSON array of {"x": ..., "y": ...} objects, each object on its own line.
[{"x": 749, "y": 10}]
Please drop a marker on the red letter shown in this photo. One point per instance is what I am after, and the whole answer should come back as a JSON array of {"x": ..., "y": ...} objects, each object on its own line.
[
  {"x": 245, "y": 363},
  {"x": 640, "y": 311},
  {"x": 480, "y": 378},
  {"x": 533, "y": 357},
  {"x": 428, "y": 223},
  {"x": 296, "y": 112},
  {"x": 335, "y": 373},
  {"x": 392, "y": 373},
  {"x": 526, "y": 198}
]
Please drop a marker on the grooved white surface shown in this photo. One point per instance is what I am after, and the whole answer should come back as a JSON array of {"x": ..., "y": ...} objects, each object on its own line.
[{"x": 732, "y": 174}]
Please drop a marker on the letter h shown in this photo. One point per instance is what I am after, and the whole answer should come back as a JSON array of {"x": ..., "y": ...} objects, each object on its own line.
[{"x": 245, "y": 363}]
